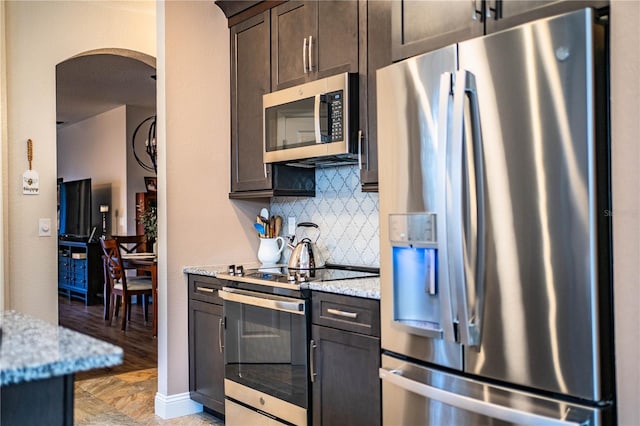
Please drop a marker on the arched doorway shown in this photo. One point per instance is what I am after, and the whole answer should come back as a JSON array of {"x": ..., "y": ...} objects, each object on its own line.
[{"x": 101, "y": 97}]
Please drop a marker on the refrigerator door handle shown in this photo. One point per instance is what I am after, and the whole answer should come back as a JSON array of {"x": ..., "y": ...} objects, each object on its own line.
[
  {"x": 443, "y": 210},
  {"x": 468, "y": 403},
  {"x": 466, "y": 236}
]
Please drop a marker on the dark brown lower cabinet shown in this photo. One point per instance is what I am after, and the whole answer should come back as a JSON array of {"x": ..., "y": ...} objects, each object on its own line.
[
  {"x": 206, "y": 358},
  {"x": 346, "y": 387},
  {"x": 39, "y": 402}
]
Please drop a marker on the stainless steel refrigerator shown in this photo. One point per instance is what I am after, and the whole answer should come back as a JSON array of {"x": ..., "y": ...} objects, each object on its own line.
[{"x": 495, "y": 230}]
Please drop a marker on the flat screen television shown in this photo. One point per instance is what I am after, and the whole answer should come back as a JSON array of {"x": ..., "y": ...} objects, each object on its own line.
[{"x": 75, "y": 209}]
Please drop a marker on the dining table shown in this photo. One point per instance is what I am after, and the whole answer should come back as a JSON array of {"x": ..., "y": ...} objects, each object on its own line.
[{"x": 142, "y": 262}]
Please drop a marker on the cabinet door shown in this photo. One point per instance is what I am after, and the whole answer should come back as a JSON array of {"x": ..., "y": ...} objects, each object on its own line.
[
  {"x": 378, "y": 55},
  {"x": 346, "y": 390},
  {"x": 336, "y": 49},
  {"x": 206, "y": 360},
  {"x": 250, "y": 79},
  {"x": 292, "y": 23},
  {"x": 420, "y": 26},
  {"x": 509, "y": 13}
]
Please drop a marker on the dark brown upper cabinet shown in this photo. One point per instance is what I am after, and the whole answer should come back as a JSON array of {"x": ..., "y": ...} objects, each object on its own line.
[
  {"x": 250, "y": 79},
  {"x": 421, "y": 26},
  {"x": 375, "y": 52},
  {"x": 313, "y": 39},
  {"x": 503, "y": 14}
]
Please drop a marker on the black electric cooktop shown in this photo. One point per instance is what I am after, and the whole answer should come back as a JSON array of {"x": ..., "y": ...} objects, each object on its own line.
[{"x": 282, "y": 276}]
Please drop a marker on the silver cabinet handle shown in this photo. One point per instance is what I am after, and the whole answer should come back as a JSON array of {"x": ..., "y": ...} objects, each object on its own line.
[
  {"x": 475, "y": 12},
  {"x": 496, "y": 9},
  {"x": 304, "y": 55},
  {"x": 312, "y": 358},
  {"x": 310, "y": 53},
  {"x": 205, "y": 289},
  {"x": 360, "y": 149},
  {"x": 486, "y": 408},
  {"x": 265, "y": 170},
  {"x": 220, "y": 332},
  {"x": 276, "y": 303},
  {"x": 345, "y": 314}
]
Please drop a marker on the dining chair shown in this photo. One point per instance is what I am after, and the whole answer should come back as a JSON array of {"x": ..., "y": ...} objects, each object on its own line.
[
  {"x": 131, "y": 243},
  {"x": 121, "y": 286}
]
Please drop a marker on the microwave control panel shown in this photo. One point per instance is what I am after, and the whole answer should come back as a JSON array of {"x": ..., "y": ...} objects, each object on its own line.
[{"x": 335, "y": 116}]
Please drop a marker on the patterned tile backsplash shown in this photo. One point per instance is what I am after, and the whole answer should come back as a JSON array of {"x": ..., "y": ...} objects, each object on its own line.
[{"x": 347, "y": 217}]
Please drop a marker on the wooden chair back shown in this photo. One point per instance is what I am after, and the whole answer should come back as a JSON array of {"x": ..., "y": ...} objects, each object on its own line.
[
  {"x": 113, "y": 262},
  {"x": 131, "y": 243}
]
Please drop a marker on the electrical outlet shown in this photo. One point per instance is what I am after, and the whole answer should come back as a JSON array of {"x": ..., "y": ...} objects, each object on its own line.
[
  {"x": 44, "y": 227},
  {"x": 291, "y": 224}
]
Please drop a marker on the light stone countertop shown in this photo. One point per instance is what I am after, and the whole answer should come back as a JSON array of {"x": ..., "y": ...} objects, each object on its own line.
[
  {"x": 209, "y": 271},
  {"x": 368, "y": 288},
  {"x": 33, "y": 349},
  {"x": 362, "y": 287}
]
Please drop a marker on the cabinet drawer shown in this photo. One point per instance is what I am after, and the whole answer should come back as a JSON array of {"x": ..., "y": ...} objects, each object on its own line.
[
  {"x": 346, "y": 313},
  {"x": 204, "y": 288}
]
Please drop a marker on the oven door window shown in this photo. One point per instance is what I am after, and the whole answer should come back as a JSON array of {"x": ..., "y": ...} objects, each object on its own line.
[{"x": 266, "y": 350}]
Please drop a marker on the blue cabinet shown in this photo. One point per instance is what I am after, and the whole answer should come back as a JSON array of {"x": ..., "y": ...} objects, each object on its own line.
[{"x": 80, "y": 271}]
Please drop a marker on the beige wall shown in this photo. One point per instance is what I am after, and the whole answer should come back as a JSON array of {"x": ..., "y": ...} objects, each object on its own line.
[
  {"x": 201, "y": 226},
  {"x": 40, "y": 35},
  {"x": 625, "y": 116},
  {"x": 4, "y": 241},
  {"x": 96, "y": 148}
]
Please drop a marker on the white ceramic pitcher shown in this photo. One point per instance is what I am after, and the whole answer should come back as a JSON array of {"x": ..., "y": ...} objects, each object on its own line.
[{"x": 270, "y": 250}]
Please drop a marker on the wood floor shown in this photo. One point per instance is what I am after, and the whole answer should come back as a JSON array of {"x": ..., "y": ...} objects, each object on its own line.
[{"x": 140, "y": 347}]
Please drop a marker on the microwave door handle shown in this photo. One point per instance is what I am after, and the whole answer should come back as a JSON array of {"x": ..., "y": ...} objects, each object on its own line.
[
  {"x": 444, "y": 122},
  {"x": 316, "y": 118}
]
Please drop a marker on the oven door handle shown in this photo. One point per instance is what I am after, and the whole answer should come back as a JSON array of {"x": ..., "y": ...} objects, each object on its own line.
[{"x": 278, "y": 303}]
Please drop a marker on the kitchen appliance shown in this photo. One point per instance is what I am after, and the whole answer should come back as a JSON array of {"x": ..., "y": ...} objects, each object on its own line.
[
  {"x": 313, "y": 124},
  {"x": 496, "y": 291},
  {"x": 267, "y": 325},
  {"x": 305, "y": 254}
]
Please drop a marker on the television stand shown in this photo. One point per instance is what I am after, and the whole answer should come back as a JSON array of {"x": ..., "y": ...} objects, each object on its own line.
[{"x": 80, "y": 270}]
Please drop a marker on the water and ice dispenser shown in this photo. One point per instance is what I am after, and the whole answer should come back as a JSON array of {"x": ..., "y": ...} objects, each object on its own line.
[{"x": 416, "y": 294}]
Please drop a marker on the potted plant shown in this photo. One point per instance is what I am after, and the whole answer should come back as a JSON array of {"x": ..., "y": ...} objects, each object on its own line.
[{"x": 149, "y": 220}]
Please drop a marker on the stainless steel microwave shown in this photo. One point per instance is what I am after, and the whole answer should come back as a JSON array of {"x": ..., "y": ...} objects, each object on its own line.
[{"x": 314, "y": 123}]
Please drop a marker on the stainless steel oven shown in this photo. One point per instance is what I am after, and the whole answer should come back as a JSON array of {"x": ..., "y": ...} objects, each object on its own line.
[
  {"x": 267, "y": 323},
  {"x": 266, "y": 356}
]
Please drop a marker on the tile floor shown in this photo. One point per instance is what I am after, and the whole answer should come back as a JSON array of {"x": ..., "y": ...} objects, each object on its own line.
[{"x": 126, "y": 399}]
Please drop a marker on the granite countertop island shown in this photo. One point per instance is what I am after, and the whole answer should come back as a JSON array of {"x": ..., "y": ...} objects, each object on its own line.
[
  {"x": 37, "y": 364},
  {"x": 32, "y": 349},
  {"x": 368, "y": 288}
]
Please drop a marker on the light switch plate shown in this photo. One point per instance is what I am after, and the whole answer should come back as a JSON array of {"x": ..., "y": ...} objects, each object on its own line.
[{"x": 44, "y": 227}]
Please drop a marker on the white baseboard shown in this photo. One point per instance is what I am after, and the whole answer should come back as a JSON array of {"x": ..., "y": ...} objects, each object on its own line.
[{"x": 178, "y": 405}]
